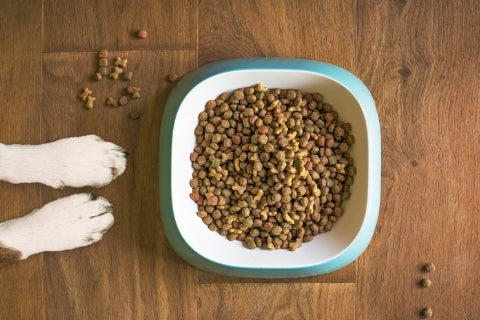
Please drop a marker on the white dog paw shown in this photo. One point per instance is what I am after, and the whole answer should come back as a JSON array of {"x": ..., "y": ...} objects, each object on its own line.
[
  {"x": 73, "y": 162},
  {"x": 87, "y": 161},
  {"x": 64, "y": 224}
]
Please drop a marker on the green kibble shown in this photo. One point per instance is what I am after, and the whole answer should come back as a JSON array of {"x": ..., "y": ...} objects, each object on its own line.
[{"x": 250, "y": 244}]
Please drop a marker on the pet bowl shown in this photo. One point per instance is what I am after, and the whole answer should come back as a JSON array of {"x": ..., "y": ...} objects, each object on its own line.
[{"x": 208, "y": 250}]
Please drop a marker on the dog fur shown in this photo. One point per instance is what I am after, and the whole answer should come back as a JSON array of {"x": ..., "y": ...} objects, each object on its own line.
[{"x": 69, "y": 222}]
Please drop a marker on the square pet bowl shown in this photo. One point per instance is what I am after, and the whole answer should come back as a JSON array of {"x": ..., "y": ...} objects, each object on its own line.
[{"x": 208, "y": 250}]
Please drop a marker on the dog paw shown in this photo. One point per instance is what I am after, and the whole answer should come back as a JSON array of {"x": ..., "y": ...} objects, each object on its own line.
[
  {"x": 64, "y": 224},
  {"x": 86, "y": 161},
  {"x": 70, "y": 162}
]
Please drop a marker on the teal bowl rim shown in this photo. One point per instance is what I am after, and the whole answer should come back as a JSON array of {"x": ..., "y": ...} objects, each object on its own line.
[{"x": 344, "y": 77}]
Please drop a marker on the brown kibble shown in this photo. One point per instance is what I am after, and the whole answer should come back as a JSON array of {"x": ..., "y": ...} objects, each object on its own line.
[
  {"x": 103, "y": 62},
  {"x": 112, "y": 102},
  {"x": 429, "y": 267},
  {"x": 425, "y": 283},
  {"x": 98, "y": 76},
  {"x": 123, "y": 100},
  {"x": 128, "y": 76},
  {"x": 103, "y": 71},
  {"x": 135, "y": 115},
  {"x": 426, "y": 312},
  {"x": 211, "y": 104},
  {"x": 85, "y": 93},
  {"x": 172, "y": 77},
  {"x": 133, "y": 91},
  {"x": 142, "y": 34},
  {"x": 121, "y": 62},
  {"x": 89, "y": 102},
  {"x": 103, "y": 53}
]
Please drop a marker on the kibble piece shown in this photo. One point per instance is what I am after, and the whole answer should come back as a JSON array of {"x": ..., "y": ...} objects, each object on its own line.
[
  {"x": 120, "y": 62},
  {"x": 98, "y": 76},
  {"x": 103, "y": 62},
  {"x": 142, "y": 34},
  {"x": 103, "y": 71},
  {"x": 123, "y": 100},
  {"x": 135, "y": 115},
  {"x": 427, "y": 312},
  {"x": 103, "y": 53},
  {"x": 134, "y": 92},
  {"x": 172, "y": 77},
  {"x": 128, "y": 75},
  {"x": 112, "y": 102},
  {"x": 89, "y": 102},
  {"x": 116, "y": 73},
  {"x": 425, "y": 283},
  {"x": 429, "y": 267},
  {"x": 85, "y": 93}
]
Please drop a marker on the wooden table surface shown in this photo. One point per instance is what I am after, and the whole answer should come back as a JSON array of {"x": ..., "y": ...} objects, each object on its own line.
[{"x": 420, "y": 59}]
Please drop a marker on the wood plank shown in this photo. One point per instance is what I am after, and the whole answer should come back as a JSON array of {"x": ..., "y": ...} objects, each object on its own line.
[
  {"x": 421, "y": 61},
  {"x": 276, "y": 301},
  {"x": 134, "y": 264},
  {"x": 20, "y": 75},
  {"x": 92, "y": 25},
  {"x": 310, "y": 29}
]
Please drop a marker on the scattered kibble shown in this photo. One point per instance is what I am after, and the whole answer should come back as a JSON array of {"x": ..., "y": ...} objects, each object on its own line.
[
  {"x": 426, "y": 312},
  {"x": 103, "y": 53},
  {"x": 135, "y": 115},
  {"x": 429, "y": 267},
  {"x": 116, "y": 73},
  {"x": 128, "y": 76},
  {"x": 89, "y": 102},
  {"x": 123, "y": 100},
  {"x": 425, "y": 283},
  {"x": 85, "y": 93},
  {"x": 142, "y": 34},
  {"x": 112, "y": 102},
  {"x": 103, "y": 71},
  {"x": 103, "y": 62},
  {"x": 172, "y": 77},
  {"x": 120, "y": 62},
  {"x": 134, "y": 92}
]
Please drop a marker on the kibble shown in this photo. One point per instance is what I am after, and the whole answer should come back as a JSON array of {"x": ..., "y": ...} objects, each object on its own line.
[
  {"x": 112, "y": 102},
  {"x": 142, "y": 34},
  {"x": 121, "y": 62},
  {"x": 89, "y": 102},
  {"x": 128, "y": 76},
  {"x": 103, "y": 53},
  {"x": 85, "y": 93},
  {"x": 426, "y": 312},
  {"x": 278, "y": 165},
  {"x": 425, "y": 283},
  {"x": 123, "y": 100},
  {"x": 134, "y": 92},
  {"x": 172, "y": 77},
  {"x": 429, "y": 267}
]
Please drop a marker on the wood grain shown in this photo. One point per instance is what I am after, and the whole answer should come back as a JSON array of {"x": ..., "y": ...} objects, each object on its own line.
[
  {"x": 418, "y": 58},
  {"x": 276, "y": 301}
]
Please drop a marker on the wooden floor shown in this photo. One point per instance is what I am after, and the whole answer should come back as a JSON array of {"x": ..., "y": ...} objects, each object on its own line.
[{"x": 420, "y": 59}]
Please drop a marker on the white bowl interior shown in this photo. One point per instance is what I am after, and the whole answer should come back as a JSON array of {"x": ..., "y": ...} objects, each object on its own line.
[{"x": 217, "y": 248}]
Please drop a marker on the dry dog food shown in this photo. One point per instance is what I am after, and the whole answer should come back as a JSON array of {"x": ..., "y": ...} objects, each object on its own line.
[
  {"x": 271, "y": 166},
  {"x": 119, "y": 65},
  {"x": 142, "y": 34}
]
